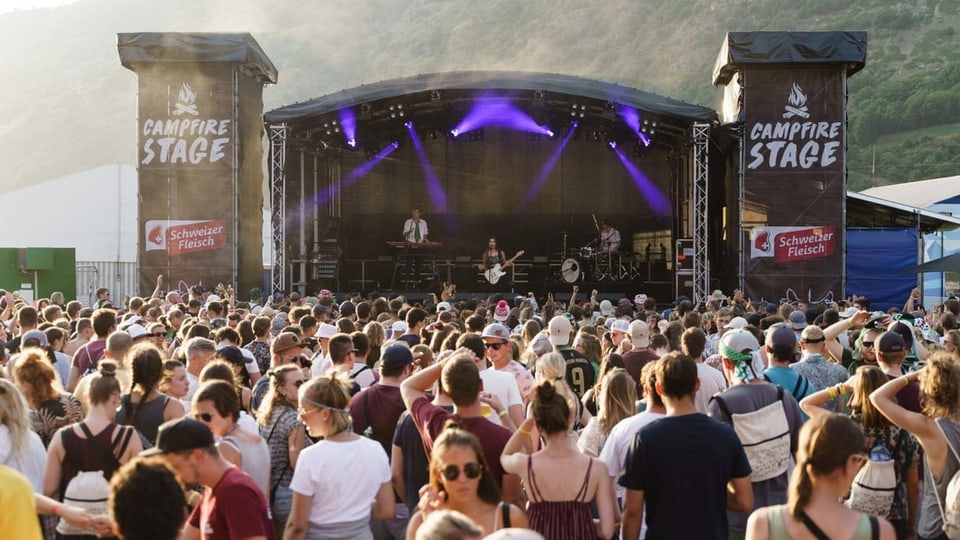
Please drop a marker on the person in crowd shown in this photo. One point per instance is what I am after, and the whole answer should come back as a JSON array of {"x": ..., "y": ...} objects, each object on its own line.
[
  {"x": 336, "y": 479},
  {"x": 217, "y": 405},
  {"x": 883, "y": 441},
  {"x": 461, "y": 480},
  {"x": 174, "y": 382},
  {"x": 20, "y": 447},
  {"x": 561, "y": 481},
  {"x": 27, "y": 319},
  {"x": 780, "y": 347},
  {"x": 285, "y": 437},
  {"x": 145, "y": 407},
  {"x": 448, "y": 525},
  {"x": 118, "y": 344},
  {"x": 224, "y": 370},
  {"x": 199, "y": 351},
  {"x": 552, "y": 367},
  {"x": 829, "y": 455},
  {"x": 36, "y": 338},
  {"x": 496, "y": 339},
  {"x": 232, "y": 504},
  {"x": 286, "y": 348},
  {"x": 749, "y": 393},
  {"x": 891, "y": 352},
  {"x": 50, "y": 407},
  {"x": 97, "y": 443},
  {"x": 377, "y": 336},
  {"x": 666, "y": 470},
  {"x": 363, "y": 374},
  {"x": 415, "y": 228},
  {"x": 579, "y": 372},
  {"x": 146, "y": 501},
  {"x": 815, "y": 367},
  {"x": 692, "y": 343},
  {"x": 86, "y": 358},
  {"x": 936, "y": 429},
  {"x": 618, "y": 396}
]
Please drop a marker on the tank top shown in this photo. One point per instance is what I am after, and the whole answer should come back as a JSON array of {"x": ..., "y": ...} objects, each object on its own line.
[
  {"x": 560, "y": 520},
  {"x": 777, "y": 528},
  {"x": 148, "y": 418},
  {"x": 256, "y": 460},
  {"x": 933, "y": 491},
  {"x": 493, "y": 260}
]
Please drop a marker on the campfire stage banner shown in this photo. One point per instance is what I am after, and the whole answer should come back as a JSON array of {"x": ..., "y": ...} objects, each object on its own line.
[{"x": 199, "y": 136}]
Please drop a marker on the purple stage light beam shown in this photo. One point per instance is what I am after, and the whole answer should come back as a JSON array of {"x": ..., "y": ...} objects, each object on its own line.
[
  {"x": 631, "y": 117},
  {"x": 656, "y": 199},
  {"x": 348, "y": 121},
  {"x": 438, "y": 196},
  {"x": 498, "y": 112},
  {"x": 534, "y": 190},
  {"x": 358, "y": 173}
]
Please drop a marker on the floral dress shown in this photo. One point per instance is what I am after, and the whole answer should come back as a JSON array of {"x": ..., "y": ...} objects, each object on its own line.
[{"x": 53, "y": 414}]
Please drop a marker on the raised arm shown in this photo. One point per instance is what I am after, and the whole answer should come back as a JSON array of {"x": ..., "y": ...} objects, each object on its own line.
[
  {"x": 416, "y": 386},
  {"x": 922, "y": 427}
]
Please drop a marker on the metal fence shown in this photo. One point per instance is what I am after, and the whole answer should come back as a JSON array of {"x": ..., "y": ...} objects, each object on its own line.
[{"x": 122, "y": 278}]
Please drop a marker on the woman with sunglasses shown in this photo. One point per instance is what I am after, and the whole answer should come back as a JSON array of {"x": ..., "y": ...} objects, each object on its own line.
[
  {"x": 461, "y": 481},
  {"x": 561, "y": 482},
  {"x": 217, "y": 405},
  {"x": 278, "y": 423},
  {"x": 337, "y": 478},
  {"x": 829, "y": 456},
  {"x": 937, "y": 430},
  {"x": 883, "y": 439}
]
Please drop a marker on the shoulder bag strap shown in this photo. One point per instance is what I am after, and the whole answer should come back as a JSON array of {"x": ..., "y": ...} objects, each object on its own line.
[
  {"x": 796, "y": 387},
  {"x": 276, "y": 484},
  {"x": 816, "y": 531},
  {"x": 505, "y": 515},
  {"x": 723, "y": 406},
  {"x": 874, "y": 528}
]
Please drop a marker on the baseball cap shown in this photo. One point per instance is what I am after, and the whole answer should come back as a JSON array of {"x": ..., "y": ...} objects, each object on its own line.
[
  {"x": 849, "y": 312},
  {"x": 737, "y": 323},
  {"x": 620, "y": 325},
  {"x": 37, "y": 335},
  {"x": 639, "y": 334},
  {"x": 396, "y": 355},
  {"x": 609, "y": 322},
  {"x": 136, "y": 331},
  {"x": 798, "y": 320},
  {"x": 501, "y": 312},
  {"x": 812, "y": 334},
  {"x": 781, "y": 335},
  {"x": 325, "y": 331},
  {"x": 233, "y": 354},
  {"x": 284, "y": 341},
  {"x": 541, "y": 345},
  {"x": 347, "y": 308},
  {"x": 179, "y": 435},
  {"x": 559, "y": 328},
  {"x": 739, "y": 340},
  {"x": 891, "y": 342},
  {"x": 606, "y": 307},
  {"x": 399, "y": 327},
  {"x": 443, "y": 306},
  {"x": 496, "y": 331}
]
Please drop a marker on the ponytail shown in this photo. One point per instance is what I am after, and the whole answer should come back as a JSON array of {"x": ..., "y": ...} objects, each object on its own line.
[{"x": 801, "y": 486}]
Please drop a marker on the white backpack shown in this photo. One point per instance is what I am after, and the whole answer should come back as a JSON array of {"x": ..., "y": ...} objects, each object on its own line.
[
  {"x": 950, "y": 508},
  {"x": 765, "y": 436},
  {"x": 874, "y": 488}
]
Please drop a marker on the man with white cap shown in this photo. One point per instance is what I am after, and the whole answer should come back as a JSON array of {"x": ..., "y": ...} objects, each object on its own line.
[
  {"x": 580, "y": 374},
  {"x": 321, "y": 359},
  {"x": 636, "y": 358},
  {"x": 618, "y": 333},
  {"x": 496, "y": 339},
  {"x": 749, "y": 402}
]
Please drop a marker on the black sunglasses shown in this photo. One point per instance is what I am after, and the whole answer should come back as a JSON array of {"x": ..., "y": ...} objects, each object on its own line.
[
  {"x": 452, "y": 472},
  {"x": 868, "y": 344},
  {"x": 161, "y": 334},
  {"x": 494, "y": 346},
  {"x": 205, "y": 416}
]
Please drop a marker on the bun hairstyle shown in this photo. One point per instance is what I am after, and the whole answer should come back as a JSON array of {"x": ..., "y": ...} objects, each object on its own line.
[
  {"x": 826, "y": 443},
  {"x": 551, "y": 411},
  {"x": 104, "y": 383}
]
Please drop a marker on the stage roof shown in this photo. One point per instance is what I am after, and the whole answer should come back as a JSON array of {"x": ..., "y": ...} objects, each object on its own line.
[
  {"x": 199, "y": 48},
  {"x": 793, "y": 48},
  {"x": 475, "y": 81},
  {"x": 922, "y": 193},
  {"x": 867, "y": 211}
]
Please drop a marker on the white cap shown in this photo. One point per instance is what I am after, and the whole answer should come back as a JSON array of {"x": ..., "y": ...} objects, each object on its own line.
[
  {"x": 640, "y": 334},
  {"x": 325, "y": 331},
  {"x": 559, "y": 329},
  {"x": 443, "y": 306},
  {"x": 136, "y": 331},
  {"x": 399, "y": 327},
  {"x": 737, "y": 323}
]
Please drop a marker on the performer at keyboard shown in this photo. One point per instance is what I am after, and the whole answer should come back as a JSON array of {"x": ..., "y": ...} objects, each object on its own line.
[
  {"x": 609, "y": 238},
  {"x": 415, "y": 229}
]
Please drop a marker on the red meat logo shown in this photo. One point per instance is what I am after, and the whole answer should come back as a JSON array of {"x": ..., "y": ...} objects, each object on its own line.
[{"x": 762, "y": 241}]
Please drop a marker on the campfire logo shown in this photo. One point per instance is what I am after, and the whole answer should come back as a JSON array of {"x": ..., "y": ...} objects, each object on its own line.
[
  {"x": 796, "y": 104},
  {"x": 187, "y": 101}
]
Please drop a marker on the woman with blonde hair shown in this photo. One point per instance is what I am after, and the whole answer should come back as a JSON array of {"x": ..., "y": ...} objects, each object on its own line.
[
  {"x": 20, "y": 447},
  {"x": 828, "y": 457},
  {"x": 561, "y": 482},
  {"x": 617, "y": 400},
  {"x": 883, "y": 439},
  {"x": 50, "y": 407},
  {"x": 553, "y": 368},
  {"x": 937, "y": 430},
  {"x": 337, "y": 478},
  {"x": 377, "y": 336},
  {"x": 277, "y": 419},
  {"x": 460, "y": 480}
]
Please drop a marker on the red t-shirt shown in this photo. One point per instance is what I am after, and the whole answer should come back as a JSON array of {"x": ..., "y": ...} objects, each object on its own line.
[
  {"x": 234, "y": 508},
  {"x": 385, "y": 405},
  {"x": 89, "y": 355},
  {"x": 431, "y": 419}
]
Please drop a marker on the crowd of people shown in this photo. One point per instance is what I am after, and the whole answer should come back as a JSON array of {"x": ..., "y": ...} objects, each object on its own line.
[{"x": 208, "y": 417}]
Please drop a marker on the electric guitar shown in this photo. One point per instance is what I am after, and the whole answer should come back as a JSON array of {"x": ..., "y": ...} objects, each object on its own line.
[{"x": 494, "y": 274}]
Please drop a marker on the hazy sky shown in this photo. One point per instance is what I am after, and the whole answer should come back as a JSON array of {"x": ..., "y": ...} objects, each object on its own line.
[{"x": 11, "y": 5}]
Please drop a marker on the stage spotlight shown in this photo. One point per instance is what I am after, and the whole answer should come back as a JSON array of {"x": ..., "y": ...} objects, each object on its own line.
[
  {"x": 612, "y": 144},
  {"x": 548, "y": 132},
  {"x": 408, "y": 124},
  {"x": 352, "y": 143},
  {"x": 434, "y": 95},
  {"x": 454, "y": 133}
]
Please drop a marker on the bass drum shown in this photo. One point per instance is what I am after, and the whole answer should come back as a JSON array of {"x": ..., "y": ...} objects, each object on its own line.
[{"x": 571, "y": 270}]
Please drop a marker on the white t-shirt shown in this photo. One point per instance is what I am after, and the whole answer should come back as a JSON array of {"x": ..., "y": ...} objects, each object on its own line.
[
  {"x": 711, "y": 382},
  {"x": 321, "y": 364},
  {"x": 194, "y": 385},
  {"x": 62, "y": 366},
  {"x": 504, "y": 386},
  {"x": 31, "y": 460},
  {"x": 614, "y": 452},
  {"x": 343, "y": 478},
  {"x": 362, "y": 375}
]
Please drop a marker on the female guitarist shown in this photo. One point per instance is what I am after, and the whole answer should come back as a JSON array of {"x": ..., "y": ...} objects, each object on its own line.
[{"x": 494, "y": 262}]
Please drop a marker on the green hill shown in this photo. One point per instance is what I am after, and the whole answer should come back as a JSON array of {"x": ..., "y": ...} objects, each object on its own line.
[{"x": 67, "y": 104}]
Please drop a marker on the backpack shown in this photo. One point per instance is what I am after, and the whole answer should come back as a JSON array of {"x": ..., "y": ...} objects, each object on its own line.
[
  {"x": 90, "y": 489},
  {"x": 765, "y": 436},
  {"x": 950, "y": 508},
  {"x": 874, "y": 487}
]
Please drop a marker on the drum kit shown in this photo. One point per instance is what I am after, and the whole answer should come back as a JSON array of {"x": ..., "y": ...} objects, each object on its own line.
[{"x": 589, "y": 264}]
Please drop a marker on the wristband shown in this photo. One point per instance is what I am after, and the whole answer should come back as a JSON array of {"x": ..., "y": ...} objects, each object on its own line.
[
  {"x": 841, "y": 389},
  {"x": 906, "y": 381},
  {"x": 523, "y": 431},
  {"x": 502, "y": 413},
  {"x": 832, "y": 392},
  {"x": 54, "y": 507},
  {"x": 850, "y": 323}
]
